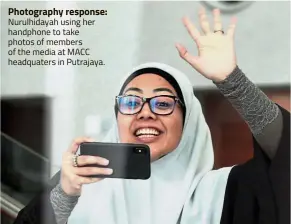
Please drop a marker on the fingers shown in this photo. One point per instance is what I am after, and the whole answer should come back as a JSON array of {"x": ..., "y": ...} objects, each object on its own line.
[
  {"x": 89, "y": 180},
  {"x": 193, "y": 61},
  {"x": 75, "y": 145},
  {"x": 77, "y": 181},
  {"x": 82, "y": 160},
  {"x": 205, "y": 26},
  {"x": 217, "y": 21},
  {"x": 91, "y": 171},
  {"x": 192, "y": 30},
  {"x": 77, "y": 176},
  {"x": 231, "y": 28},
  {"x": 91, "y": 160},
  {"x": 204, "y": 21}
]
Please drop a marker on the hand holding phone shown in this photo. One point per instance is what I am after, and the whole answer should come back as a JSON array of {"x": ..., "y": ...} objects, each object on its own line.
[{"x": 72, "y": 178}]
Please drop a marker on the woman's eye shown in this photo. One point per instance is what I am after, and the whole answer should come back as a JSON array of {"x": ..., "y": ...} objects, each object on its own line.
[
  {"x": 163, "y": 104},
  {"x": 132, "y": 103}
]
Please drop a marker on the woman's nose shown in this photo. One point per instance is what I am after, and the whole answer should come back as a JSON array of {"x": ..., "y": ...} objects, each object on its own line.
[{"x": 146, "y": 113}]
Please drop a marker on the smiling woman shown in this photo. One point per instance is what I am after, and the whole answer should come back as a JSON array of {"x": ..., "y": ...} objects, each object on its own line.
[
  {"x": 156, "y": 106},
  {"x": 159, "y": 122}
]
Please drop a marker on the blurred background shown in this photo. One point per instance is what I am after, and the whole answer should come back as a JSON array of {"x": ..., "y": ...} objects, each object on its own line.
[{"x": 44, "y": 108}]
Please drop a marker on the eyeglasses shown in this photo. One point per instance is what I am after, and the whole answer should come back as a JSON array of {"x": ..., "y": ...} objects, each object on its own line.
[{"x": 160, "y": 105}]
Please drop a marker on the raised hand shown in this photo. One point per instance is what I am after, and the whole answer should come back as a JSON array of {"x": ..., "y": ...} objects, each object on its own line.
[{"x": 216, "y": 52}]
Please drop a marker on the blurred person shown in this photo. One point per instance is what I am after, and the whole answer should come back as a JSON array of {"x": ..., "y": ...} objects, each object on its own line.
[{"x": 183, "y": 187}]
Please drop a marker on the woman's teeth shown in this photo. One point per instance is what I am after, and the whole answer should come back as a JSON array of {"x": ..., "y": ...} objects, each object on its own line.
[{"x": 147, "y": 132}]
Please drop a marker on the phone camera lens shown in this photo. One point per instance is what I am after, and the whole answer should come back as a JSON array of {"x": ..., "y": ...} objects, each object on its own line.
[{"x": 138, "y": 150}]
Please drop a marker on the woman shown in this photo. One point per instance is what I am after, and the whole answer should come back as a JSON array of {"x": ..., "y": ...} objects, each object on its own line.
[{"x": 183, "y": 188}]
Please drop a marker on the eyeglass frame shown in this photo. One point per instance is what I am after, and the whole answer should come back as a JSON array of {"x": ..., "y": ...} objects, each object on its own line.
[{"x": 147, "y": 100}]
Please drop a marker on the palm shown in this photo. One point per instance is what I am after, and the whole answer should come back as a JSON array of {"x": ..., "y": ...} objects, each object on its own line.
[{"x": 216, "y": 55}]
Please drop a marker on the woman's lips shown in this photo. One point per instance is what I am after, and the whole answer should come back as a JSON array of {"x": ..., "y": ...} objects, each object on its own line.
[
  {"x": 147, "y": 138},
  {"x": 147, "y": 134}
]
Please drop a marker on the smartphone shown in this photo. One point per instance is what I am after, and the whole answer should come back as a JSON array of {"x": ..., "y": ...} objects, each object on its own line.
[{"x": 128, "y": 161}]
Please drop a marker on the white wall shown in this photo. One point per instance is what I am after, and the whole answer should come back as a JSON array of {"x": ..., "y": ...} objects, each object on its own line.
[
  {"x": 133, "y": 33},
  {"x": 115, "y": 40}
]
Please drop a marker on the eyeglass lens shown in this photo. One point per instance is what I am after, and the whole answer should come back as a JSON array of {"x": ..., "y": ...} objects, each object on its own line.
[{"x": 133, "y": 104}]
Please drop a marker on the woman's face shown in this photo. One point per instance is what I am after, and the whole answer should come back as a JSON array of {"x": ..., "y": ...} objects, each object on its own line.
[{"x": 162, "y": 133}]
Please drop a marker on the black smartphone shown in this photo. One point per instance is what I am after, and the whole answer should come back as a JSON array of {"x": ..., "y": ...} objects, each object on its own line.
[{"x": 128, "y": 161}]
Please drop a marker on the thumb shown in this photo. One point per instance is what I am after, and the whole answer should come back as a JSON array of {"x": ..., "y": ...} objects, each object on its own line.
[{"x": 192, "y": 60}]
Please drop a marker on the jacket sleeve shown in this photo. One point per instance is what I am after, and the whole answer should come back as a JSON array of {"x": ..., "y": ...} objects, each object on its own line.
[
  {"x": 258, "y": 191},
  {"x": 279, "y": 172},
  {"x": 39, "y": 210}
]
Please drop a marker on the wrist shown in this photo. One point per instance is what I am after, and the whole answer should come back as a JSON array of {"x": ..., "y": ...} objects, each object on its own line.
[
  {"x": 65, "y": 193},
  {"x": 222, "y": 79}
]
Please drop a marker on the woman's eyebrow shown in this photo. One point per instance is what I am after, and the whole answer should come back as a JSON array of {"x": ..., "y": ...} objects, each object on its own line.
[
  {"x": 133, "y": 89},
  {"x": 163, "y": 90}
]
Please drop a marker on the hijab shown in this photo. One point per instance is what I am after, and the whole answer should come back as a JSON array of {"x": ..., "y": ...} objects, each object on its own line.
[{"x": 182, "y": 188}]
